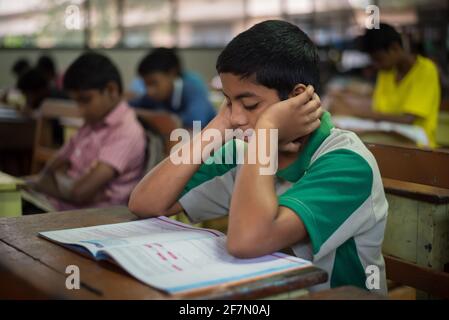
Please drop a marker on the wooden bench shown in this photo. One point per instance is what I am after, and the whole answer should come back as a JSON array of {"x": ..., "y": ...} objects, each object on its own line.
[{"x": 416, "y": 242}]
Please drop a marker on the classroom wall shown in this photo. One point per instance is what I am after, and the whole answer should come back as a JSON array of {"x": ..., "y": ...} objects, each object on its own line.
[{"x": 199, "y": 60}]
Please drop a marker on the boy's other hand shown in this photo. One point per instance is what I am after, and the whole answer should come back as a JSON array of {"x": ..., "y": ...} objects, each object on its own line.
[
  {"x": 294, "y": 118},
  {"x": 31, "y": 182},
  {"x": 222, "y": 120},
  {"x": 37, "y": 182}
]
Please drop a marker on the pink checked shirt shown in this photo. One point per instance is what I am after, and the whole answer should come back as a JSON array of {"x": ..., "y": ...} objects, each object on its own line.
[{"x": 119, "y": 141}]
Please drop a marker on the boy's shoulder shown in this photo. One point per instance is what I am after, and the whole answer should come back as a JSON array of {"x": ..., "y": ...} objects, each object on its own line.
[
  {"x": 123, "y": 122},
  {"x": 341, "y": 142}
]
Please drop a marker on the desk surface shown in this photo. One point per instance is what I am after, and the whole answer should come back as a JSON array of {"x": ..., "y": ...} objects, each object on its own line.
[{"x": 31, "y": 267}]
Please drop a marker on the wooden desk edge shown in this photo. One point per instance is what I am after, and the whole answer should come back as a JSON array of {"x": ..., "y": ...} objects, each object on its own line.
[
  {"x": 416, "y": 191},
  {"x": 271, "y": 286}
]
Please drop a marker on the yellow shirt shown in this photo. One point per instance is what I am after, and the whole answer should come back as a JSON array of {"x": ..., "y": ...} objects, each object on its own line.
[{"x": 418, "y": 93}]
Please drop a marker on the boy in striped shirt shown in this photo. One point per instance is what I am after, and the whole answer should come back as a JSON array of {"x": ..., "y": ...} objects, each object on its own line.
[
  {"x": 325, "y": 200},
  {"x": 102, "y": 163}
]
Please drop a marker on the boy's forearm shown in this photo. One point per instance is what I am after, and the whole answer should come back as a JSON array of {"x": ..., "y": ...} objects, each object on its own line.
[
  {"x": 160, "y": 188},
  {"x": 47, "y": 184},
  {"x": 254, "y": 204},
  {"x": 55, "y": 164}
]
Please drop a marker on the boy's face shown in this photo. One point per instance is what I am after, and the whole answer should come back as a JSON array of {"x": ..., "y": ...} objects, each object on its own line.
[
  {"x": 159, "y": 85},
  {"x": 247, "y": 99},
  {"x": 93, "y": 104},
  {"x": 386, "y": 59}
]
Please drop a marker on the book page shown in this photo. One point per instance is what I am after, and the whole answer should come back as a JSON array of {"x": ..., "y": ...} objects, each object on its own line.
[
  {"x": 38, "y": 199},
  {"x": 412, "y": 132},
  {"x": 188, "y": 265},
  {"x": 161, "y": 229}
]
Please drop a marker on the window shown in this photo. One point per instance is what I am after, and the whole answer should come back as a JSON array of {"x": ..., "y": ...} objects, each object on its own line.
[
  {"x": 183, "y": 23},
  {"x": 148, "y": 23},
  {"x": 41, "y": 23},
  {"x": 208, "y": 23},
  {"x": 104, "y": 19}
]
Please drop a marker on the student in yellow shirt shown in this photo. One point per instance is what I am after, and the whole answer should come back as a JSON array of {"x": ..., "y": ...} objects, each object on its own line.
[{"x": 407, "y": 88}]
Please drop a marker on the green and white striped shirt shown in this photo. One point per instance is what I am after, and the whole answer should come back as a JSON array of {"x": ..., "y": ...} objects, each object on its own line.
[{"x": 334, "y": 186}]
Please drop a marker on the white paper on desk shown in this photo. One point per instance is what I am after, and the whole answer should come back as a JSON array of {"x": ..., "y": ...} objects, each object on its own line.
[
  {"x": 96, "y": 238},
  {"x": 412, "y": 132},
  {"x": 172, "y": 256},
  {"x": 187, "y": 265}
]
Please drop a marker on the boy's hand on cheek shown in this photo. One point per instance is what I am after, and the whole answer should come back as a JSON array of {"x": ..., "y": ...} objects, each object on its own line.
[
  {"x": 294, "y": 118},
  {"x": 222, "y": 120}
]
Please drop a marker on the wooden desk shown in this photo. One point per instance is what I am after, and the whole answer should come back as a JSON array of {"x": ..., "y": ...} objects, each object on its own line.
[
  {"x": 13, "y": 124},
  {"x": 16, "y": 141},
  {"x": 31, "y": 267},
  {"x": 343, "y": 293},
  {"x": 10, "y": 200},
  {"x": 389, "y": 138}
]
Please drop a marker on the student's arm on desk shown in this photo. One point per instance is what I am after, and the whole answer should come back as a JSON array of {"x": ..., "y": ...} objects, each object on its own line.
[
  {"x": 157, "y": 193},
  {"x": 80, "y": 191},
  {"x": 45, "y": 181}
]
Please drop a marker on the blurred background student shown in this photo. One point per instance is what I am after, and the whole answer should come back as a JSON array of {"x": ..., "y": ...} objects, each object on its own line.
[
  {"x": 10, "y": 95},
  {"x": 100, "y": 165},
  {"x": 47, "y": 65},
  {"x": 407, "y": 89},
  {"x": 164, "y": 85},
  {"x": 36, "y": 86}
]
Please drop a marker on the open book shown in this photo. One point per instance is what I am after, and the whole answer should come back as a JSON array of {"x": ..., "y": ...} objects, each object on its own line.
[
  {"x": 38, "y": 199},
  {"x": 172, "y": 256},
  {"x": 412, "y": 132}
]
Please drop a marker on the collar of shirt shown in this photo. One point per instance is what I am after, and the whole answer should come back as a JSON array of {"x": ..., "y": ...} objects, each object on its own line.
[
  {"x": 178, "y": 85},
  {"x": 297, "y": 169},
  {"x": 115, "y": 115}
]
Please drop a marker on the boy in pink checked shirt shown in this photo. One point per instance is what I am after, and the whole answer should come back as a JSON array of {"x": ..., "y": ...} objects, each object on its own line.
[{"x": 101, "y": 164}]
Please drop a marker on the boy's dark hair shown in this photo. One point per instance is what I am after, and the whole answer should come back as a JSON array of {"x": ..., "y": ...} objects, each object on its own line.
[
  {"x": 379, "y": 39},
  {"x": 32, "y": 80},
  {"x": 277, "y": 53},
  {"x": 20, "y": 67},
  {"x": 47, "y": 65},
  {"x": 91, "y": 71},
  {"x": 160, "y": 60}
]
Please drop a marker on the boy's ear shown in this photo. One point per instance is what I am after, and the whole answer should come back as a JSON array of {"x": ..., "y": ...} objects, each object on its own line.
[{"x": 298, "y": 89}]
